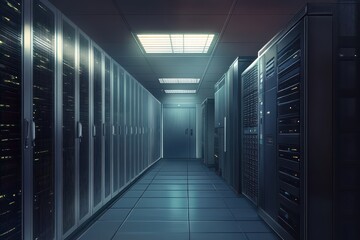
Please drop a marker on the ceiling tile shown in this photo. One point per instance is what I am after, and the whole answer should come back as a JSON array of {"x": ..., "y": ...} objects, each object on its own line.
[
  {"x": 176, "y": 23},
  {"x": 85, "y": 7},
  {"x": 241, "y": 27},
  {"x": 238, "y": 49},
  {"x": 175, "y": 6}
]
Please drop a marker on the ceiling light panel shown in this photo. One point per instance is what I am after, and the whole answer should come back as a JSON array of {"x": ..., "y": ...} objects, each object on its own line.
[
  {"x": 180, "y": 91},
  {"x": 179, "y": 80},
  {"x": 176, "y": 43}
]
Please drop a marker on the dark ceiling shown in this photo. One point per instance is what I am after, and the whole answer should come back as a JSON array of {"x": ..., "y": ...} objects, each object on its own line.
[{"x": 241, "y": 26}]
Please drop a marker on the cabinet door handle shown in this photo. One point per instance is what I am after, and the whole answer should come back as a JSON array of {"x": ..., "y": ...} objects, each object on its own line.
[
  {"x": 33, "y": 132},
  {"x": 94, "y": 131},
  {"x": 191, "y": 132},
  {"x": 80, "y": 130},
  {"x": 27, "y": 133},
  {"x": 225, "y": 134}
]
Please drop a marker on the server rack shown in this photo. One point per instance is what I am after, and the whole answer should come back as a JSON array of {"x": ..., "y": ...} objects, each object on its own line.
[
  {"x": 97, "y": 127},
  {"x": 115, "y": 127},
  {"x": 219, "y": 125},
  {"x": 11, "y": 145},
  {"x": 250, "y": 132},
  {"x": 309, "y": 116},
  {"x": 107, "y": 129},
  {"x": 43, "y": 119},
  {"x": 232, "y": 173},
  {"x": 69, "y": 117},
  {"x": 227, "y": 116},
  {"x": 122, "y": 156},
  {"x": 57, "y": 107},
  {"x": 208, "y": 118},
  {"x": 84, "y": 127}
]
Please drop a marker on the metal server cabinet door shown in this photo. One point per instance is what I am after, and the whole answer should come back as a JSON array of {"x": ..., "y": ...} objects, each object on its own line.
[
  {"x": 43, "y": 118},
  {"x": 121, "y": 130},
  {"x": 97, "y": 128},
  {"x": 250, "y": 144},
  {"x": 289, "y": 116},
  {"x": 115, "y": 127},
  {"x": 137, "y": 135},
  {"x": 68, "y": 120},
  {"x": 270, "y": 187},
  {"x": 84, "y": 120},
  {"x": 108, "y": 129},
  {"x": 10, "y": 120},
  {"x": 347, "y": 132},
  {"x": 127, "y": 93},
  {"x": 234, "y": 129}
]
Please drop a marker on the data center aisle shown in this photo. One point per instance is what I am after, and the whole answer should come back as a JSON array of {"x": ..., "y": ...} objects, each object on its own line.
[{"x": 180, "y": 200}]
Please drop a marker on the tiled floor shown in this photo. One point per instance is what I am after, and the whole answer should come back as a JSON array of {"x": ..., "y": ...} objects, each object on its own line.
[{"x": 180, "y": 200}]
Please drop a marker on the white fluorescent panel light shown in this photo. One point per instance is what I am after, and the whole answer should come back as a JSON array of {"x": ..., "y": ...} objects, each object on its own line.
[
  {"x": 176, "y": 43},
  {"x": 179, "y": 80},
  {"x": 180, "y": 91}
]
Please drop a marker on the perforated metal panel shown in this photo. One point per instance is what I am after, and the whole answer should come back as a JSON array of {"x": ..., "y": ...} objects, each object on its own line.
[{"x": 250, "y": 139}]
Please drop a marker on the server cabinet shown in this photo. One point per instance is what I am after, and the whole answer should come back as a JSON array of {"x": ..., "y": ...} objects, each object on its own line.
[
  {"x": 115, "y": 127},
  {"x": 98, "y": 125},
  {"x": 208, "y": 118},
  {"x": 43, "y": 98},
  {"x": 11, "y": 84},
  {"x": 219, "y": 125},
  {"x": 69, "y": 138},
  {"x": 122, "y": 136},
  {"x": 55, "y": 169},
  {"x": 232, "y": 139},
  {"x": 107, "y": 128},
  {"x": 137, "y": 128},
  {"x": 127, "y": 95},
  {"x": 306, "y": 67},
  {"x": 249, "y": 132},
  {"x": 83, "y": 127}
]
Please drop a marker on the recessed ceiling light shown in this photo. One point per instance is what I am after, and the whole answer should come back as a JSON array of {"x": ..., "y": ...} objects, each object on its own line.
[
  {"x": 176, "y": 43},
  {"x": 180, "y": 91},
  {"x": 179, "y": 80}
]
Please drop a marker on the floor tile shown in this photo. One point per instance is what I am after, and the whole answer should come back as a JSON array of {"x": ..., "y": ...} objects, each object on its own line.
[
  {"x": 158, "y": 215},
  {"x": 214, "y": 226},
  {"x": 173, "y": 194},
  {"x": 101, "y": 230},
  {"x": 118, "y": 215},
  {"x": 221, "y": 187},
  {"x": 151, "y": 236},
  {"x": 161, "y": 226},
  {"x": 210, "y": 215},
  {"x": 162, "y": 203},
  {"x": 202, "y": 181},
  {"x": 204, "y": 194},
  {"x": 254, "y": 226},
  {"x": 201, "y": 173},
  {"x": 169, "y": 182},
  {"x": 245, "y": 214},
  {"x": 180, "y": 200},
  {"x": 170, "y": 178},
  {"x": 133, "y": 194},
  {"x": 217, "y": 236},
  {"x": 238, "y": 203},
  {"x": 207, "y": 203},
  {"x": 167, "y": 187},
  {"x": 201, "y": 187},
  {"x": 144, "y": 181},
  {"x": 262, "y": 236},
  {"x": 125, "y": 203}
]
